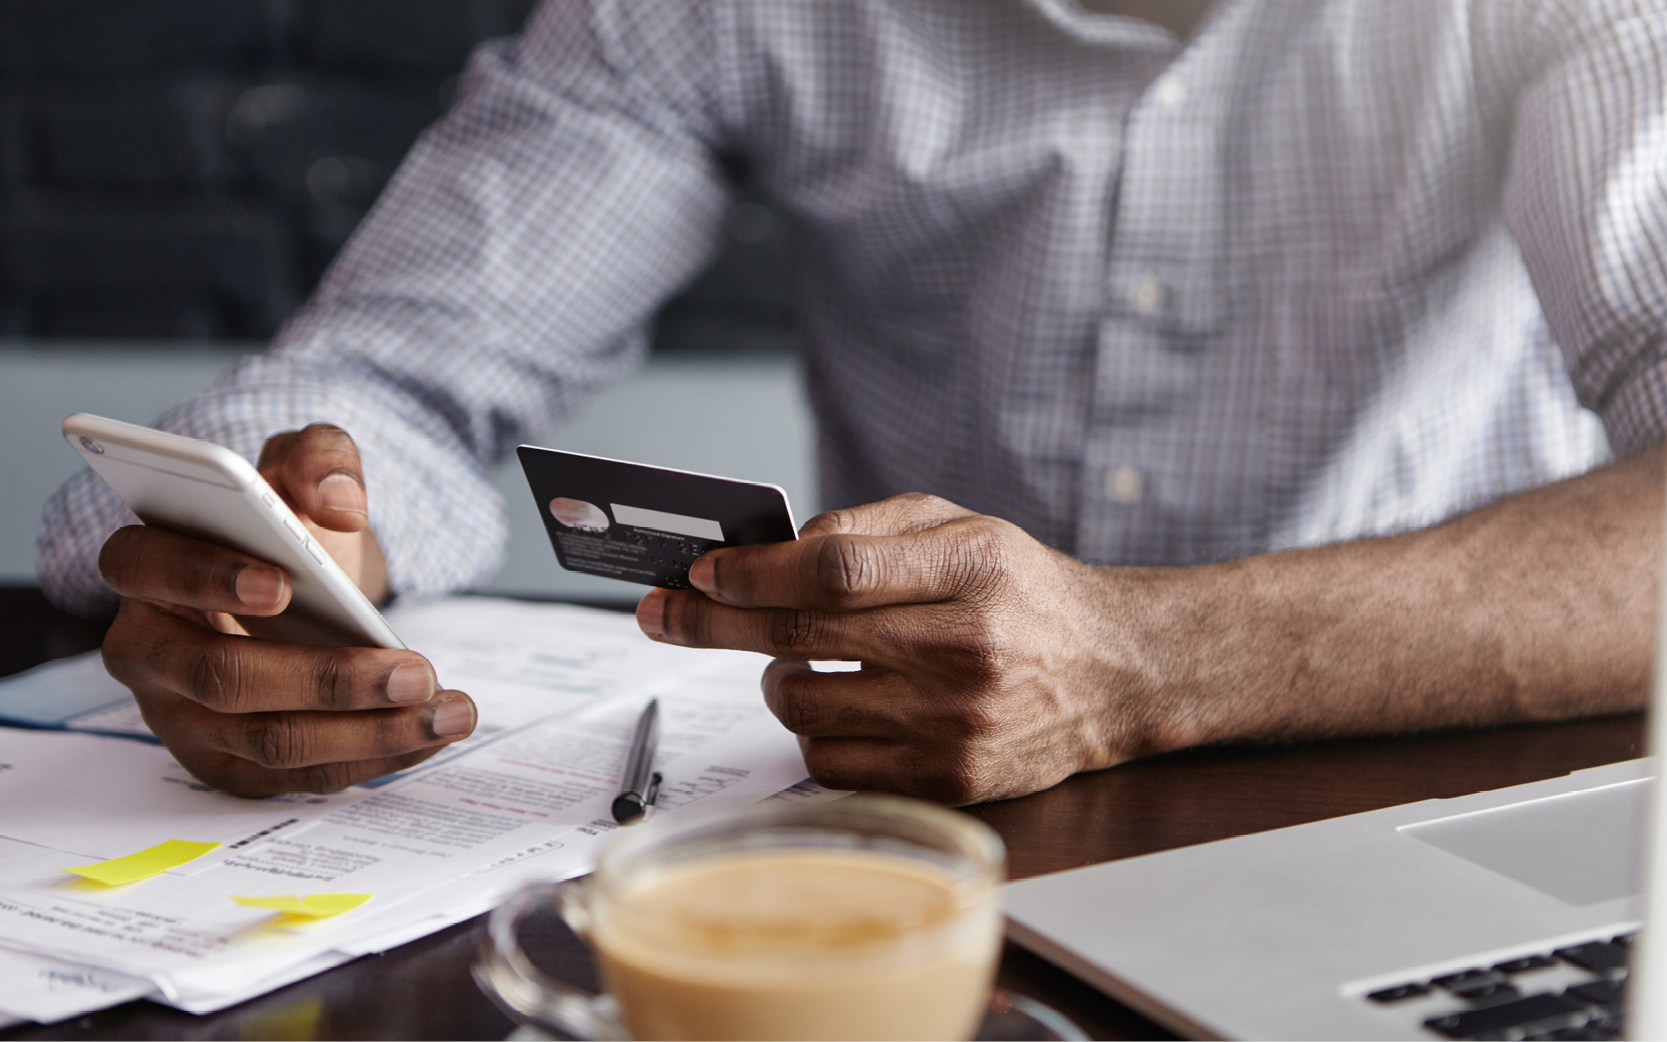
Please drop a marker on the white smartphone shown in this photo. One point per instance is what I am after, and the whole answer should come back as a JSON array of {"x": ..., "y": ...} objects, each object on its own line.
[{"x": 209, "y": 492}]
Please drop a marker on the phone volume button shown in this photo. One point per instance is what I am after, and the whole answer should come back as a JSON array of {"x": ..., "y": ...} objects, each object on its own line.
[
  {"x": 295, "y": 529},
  {"x": 316, "y": 550}
]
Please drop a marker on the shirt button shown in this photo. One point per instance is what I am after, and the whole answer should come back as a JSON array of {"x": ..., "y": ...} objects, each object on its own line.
[
  {"x": 1124, "y": 485},
  {"x": 1146, "y": 296},
  {"x": 1170, "y": 91}
]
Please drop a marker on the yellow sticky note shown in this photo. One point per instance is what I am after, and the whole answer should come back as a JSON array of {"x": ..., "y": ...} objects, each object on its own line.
[
  {"x": 313, "y": 906},
  {"x": 146, "y": 863},
  {"x": 302, "y": 1020}
]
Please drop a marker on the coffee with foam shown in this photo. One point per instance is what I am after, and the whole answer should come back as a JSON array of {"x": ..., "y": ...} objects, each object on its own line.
[
  {"x": 799, "y": 943},
  {"x": 868, "y": 917}
]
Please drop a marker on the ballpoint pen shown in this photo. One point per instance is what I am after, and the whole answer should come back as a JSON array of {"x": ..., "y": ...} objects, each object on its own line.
[{"x": 637, "y": 788}]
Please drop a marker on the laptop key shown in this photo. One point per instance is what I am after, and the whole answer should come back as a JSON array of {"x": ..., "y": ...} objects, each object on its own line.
[
  {"x": 1534, "y": 1015},
  {"x": 1493, "y": 990},
  {"x": 1465, "y": 979},
  {"x": 1600, "y": 957},
  {"x": 1602, "y": 994},
  {"x": 1399, "y": 992},
  {"x": 1479, "y": 986},
  {"x": 1523, "y": 965},
  {"x": 1597, "y": 1029}
]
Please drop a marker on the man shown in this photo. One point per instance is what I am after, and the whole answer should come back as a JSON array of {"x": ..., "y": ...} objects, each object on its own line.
[{"x": 1262, "y": 377}]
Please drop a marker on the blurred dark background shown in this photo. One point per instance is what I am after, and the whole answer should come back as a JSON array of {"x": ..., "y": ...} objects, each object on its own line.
[
  {"x": 186, "y": 169},
  {"x": 175, "y": 175}
]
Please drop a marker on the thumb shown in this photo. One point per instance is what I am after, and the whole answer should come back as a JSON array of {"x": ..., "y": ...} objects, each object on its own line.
[{"x": 318, "y": 473}]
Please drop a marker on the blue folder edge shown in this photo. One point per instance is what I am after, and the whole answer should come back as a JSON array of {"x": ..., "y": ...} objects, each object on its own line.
[{"x": 66, "y": 695}]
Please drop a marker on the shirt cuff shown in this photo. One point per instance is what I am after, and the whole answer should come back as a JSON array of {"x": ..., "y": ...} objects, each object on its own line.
[{"x": 1635, "y": 417}]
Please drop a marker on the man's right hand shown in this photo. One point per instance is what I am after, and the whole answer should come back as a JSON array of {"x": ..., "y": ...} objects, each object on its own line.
[{"x": 254, "y": 717}]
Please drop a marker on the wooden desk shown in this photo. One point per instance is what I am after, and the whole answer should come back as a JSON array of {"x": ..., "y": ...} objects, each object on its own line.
[{"x": 423, "y": 990}]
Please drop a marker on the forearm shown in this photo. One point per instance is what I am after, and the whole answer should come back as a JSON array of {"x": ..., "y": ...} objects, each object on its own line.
[
  {"x": 435, "y": 515},
  {"x": 506, "y": 274},
  {"x": 1540, "y": 606}
]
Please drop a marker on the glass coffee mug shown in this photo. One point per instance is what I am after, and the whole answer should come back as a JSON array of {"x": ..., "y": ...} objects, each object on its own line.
[{"x": 868, "y": 917}]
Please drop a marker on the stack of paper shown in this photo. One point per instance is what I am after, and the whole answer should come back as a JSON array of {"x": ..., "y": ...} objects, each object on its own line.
[{"x": 122, "y": 876}]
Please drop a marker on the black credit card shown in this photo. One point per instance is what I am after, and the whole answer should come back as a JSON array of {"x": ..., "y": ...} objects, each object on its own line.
[{"x": 646, "y": 524}]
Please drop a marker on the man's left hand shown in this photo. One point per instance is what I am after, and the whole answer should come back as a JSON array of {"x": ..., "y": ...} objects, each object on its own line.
[{"x": 992, "y": 666}]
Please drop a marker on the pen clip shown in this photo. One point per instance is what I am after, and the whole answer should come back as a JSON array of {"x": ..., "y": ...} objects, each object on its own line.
[{"x": 653, "y": 790}]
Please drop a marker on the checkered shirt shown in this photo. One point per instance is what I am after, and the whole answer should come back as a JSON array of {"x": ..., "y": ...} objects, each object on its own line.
[{"x": 1330, "y": 268}]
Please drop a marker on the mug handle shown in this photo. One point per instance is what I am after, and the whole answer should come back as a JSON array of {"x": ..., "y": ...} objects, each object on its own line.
[{"x": 521, "y": 989}]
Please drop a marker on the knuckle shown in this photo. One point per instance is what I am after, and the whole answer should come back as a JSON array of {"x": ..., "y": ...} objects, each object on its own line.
[
  {"x": 214, "y": 677},
  {"x": 975, "y": 724},
  {"x": 830, "y": 522},
  {"x": 792, "y": 628},
  {"x": 982, "y": 545},
  {"x": 984, "y": 666},
  {"x": 979, "y": 651},
  {"x": 336, "y": 679},
  {"x": 271, "y": 741},
  {"x": 920, "y": 511},
  {"x": 797, "y": 702},
  {"x": 846, "y": 571}
]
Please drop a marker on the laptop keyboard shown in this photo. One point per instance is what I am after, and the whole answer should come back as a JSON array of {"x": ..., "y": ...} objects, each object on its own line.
[{"x": 1572, "y": 993}]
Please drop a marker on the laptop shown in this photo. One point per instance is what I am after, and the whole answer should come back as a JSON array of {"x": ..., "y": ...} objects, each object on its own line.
[{"x": 1514, "y": 913}]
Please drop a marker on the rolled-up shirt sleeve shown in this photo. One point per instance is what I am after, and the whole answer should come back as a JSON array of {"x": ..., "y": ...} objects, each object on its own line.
[
  {"x": 1586, "y": 197},
  {"x": 506, "y": 274}
]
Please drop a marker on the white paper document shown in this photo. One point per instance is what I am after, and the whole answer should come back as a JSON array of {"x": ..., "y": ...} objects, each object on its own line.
[
  {"x": 39, "y": 987},
  {"x": 101, "y": 798},
  {"x": 559, "y": 690}
]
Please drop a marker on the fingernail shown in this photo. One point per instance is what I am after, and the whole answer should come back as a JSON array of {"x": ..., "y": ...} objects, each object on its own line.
[
  {"x": 453, "y": 718},
  {"x": 260, "y": 587},
  {"x": 340, "y": 492},
  {"x": 703, "y": 574},
  {"x": 651, "y": 613},
  {"x": 410, "y": 683}
]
